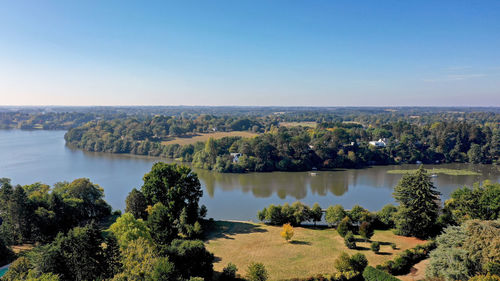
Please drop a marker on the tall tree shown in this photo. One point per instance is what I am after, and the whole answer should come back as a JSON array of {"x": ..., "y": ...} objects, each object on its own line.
[
  {"x": 418, "y": 204},
  {"x": 176, "y": 187},
  {"x": 136, "y": 204}
]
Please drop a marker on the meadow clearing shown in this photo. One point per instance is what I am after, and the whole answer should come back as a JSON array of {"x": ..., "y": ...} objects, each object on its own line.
[
  {"x": 312, "y": 250},
  {"x": 205, "y": 136}
]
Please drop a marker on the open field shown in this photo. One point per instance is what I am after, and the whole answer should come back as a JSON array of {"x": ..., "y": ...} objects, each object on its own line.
[
  {"x": 296, "y": 124},
  {"x": 312, "y": 251},
  {"x": 204, "y": 137},
  {"x": 449, "y": 172}
]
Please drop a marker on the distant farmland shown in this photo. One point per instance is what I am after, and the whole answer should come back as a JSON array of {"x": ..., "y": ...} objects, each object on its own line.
[
  {"x": 204, "y": 137},
  {"x": 296, "y": 124}
]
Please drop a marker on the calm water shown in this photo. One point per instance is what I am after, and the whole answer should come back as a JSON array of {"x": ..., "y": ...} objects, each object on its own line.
[{"x": 31, "y": 156}]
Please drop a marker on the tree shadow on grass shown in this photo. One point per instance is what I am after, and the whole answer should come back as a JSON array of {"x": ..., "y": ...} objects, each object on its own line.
[
  {"x": 299, "y": 242},
  {"x": 225, "y": 229},
  {"x": 362, "y": 248},
  {"x": 384, "y": 254}
]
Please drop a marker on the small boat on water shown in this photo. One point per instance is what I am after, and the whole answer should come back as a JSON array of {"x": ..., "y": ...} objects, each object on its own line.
[
  {"x": 313, "y": 174},
  {"x": 434, "y": 176}
]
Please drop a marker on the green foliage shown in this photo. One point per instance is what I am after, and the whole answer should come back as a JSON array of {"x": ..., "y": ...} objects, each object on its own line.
[
  {"x": 127, "y": 229},
  {"x": 176, "y": 187},
  {"x": 375, "y": 247},
  {"x": 191, "y": 258},
  {"x": 350, "y": 241},
  {"x": 81, "y": 254},
  {"x": 161, "y": 225},
  {"x": 257, "y": 272},
  {"x": 351, "y": 267},
  {"x": 279, "y": 215},
  {"x": 228, "y": 272},
  {"x": 386, "y": 215},
  {"x": 316, "y": 213},
  {"x": 358, "y": 214},
  {"x": 6, "y": 254},
  {"x": 487, "y": 277},
  {"x": 418, "y": 208},
  {"x": 334, "y": 214},
  {"x": 480, "y": 202},
  {"x": 344, "y": 226},
  {"x": 403, "y": 262},
  {"x": 372, "y": 274},
  {"x": 366, "y": 230},
  {"x": 136, "y": 204}
]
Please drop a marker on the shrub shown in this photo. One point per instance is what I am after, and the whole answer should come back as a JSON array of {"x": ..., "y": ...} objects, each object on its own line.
[
  {"x": 393, "y": 246},
  {"x": 350, "y": 241},
  {"x": 373, "y": 274},
  {"x": 487, "y": 277},
  {"x": 375, "y": 247},
  {"x": 366, "y": 230},
  {"x": 257, "y": 272},
  {"x": 229, "y": 272},
  {"x": 405, "y": 260},
  {"x": 344, "y": 226},
  {"x": 287, "y": 232}
]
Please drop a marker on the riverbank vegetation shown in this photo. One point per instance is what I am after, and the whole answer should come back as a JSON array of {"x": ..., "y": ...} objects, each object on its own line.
[
  {"x": 449, "y": 172},
  {"x": 336, "y": 142}
]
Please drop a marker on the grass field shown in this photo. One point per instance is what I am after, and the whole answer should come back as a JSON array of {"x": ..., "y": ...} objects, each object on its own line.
[
  {"x": 205, "y": 137},
  {"x": 449, "y": 172},
  {"x": 296, "y": 124},
  {"x": 312, "y": 251}
]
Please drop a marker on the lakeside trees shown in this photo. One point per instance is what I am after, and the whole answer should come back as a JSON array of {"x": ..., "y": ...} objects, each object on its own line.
[{"x": 337, "y": 141}]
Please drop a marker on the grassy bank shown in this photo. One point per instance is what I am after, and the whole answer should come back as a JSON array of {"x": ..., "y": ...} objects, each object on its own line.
[
  {"x": 312, "y": 251},
  {"x": 449, "y": 172}
]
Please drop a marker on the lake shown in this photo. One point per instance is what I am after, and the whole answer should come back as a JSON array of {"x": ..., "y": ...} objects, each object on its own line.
[{"x": 42, "y": 156}]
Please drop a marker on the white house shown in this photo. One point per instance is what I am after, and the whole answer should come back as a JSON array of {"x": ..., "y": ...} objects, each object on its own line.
[
  {"x": 236, "y": 157},
  {"x": 379, "y": 143}
]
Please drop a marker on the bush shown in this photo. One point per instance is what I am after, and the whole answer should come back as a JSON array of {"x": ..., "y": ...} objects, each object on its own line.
[
  {"x": 375, "y": 247},
  {"x": 487, "y": 277},
  {"x": 373, "y": 274},
  {"x": 366, "y": 230},
  {"x": 393, "y": 246},
  {"x": 257, "y": 272},
  {"x": 287, "y": 232},
  {"x": 344, "y": 226},
  {"x": 229, "y": 272},
  {"x": 403, "y": 262},
  {"x": 350, "y": 241}
]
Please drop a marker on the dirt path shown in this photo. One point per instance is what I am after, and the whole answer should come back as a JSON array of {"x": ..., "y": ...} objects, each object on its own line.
[{"x": 417, "y": 272}]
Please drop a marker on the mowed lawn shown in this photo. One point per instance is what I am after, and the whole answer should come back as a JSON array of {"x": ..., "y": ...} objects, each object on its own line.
[
  {"x": 204, "y": 137},
  {"x": 312, "y": 251}
]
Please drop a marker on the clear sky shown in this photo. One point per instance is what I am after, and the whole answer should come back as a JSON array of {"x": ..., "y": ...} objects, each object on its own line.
[{"x": 238, "y": 52}]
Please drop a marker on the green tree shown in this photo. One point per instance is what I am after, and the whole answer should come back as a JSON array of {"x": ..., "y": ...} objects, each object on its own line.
[
  {"x": 229, "y": 272},
  {"x": 316, "y": 213},
  {"x": 176, "y": 187},
  {"x": 375, "y": 247},
  {"x": 191, "y": 258},
  {"x": 161, "y": 225},
  {"x": 334, "y": 214},
  {"x": 136, "y": 204},
  {"x": 418, "y": 205},
  {"x": 257, "y": 272},
  {"x": 127, "y": 229},
  {"x": 386, "y": 215},
  {"x": 344, "y": 226},
  {"x": 349, "y": 240},
  {"x": 474, "y": 154},
  {"x": 366, "y": 230}
]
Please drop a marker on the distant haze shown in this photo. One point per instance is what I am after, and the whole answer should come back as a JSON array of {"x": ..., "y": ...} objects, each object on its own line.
[{"x": 281, "y": 52}]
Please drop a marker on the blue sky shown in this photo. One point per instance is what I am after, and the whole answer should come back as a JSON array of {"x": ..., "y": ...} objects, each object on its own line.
[{"x": 326, "y": 53}]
